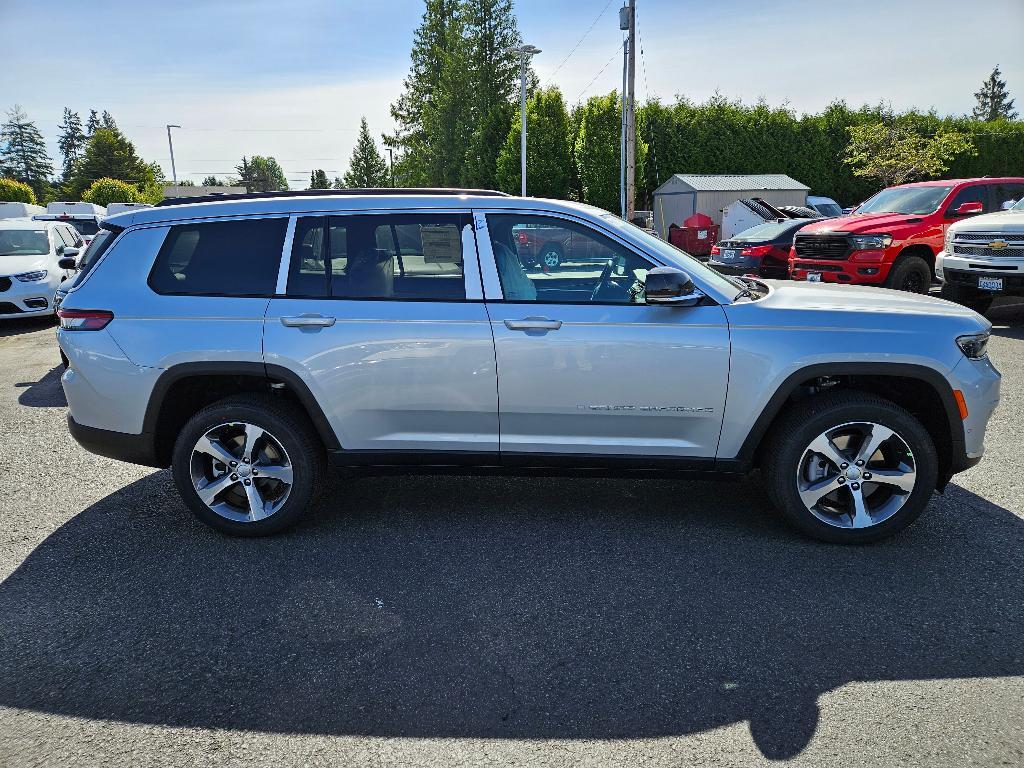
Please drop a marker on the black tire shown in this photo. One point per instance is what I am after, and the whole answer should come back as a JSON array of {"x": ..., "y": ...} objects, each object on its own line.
[
  {"x": 792, "y": 435},
  {"x": 550, "y": 256},
  {"x": 911, "y": 274},
  {"x": 968, "y": 297},
  {"x": 289, "y": 426}
]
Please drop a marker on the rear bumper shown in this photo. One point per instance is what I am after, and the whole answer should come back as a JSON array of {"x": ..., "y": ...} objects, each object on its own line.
[{"x": 134, "y": 449}]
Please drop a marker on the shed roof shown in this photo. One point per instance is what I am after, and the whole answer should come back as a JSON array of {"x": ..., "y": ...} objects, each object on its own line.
[{"x": 727, "y": 182}]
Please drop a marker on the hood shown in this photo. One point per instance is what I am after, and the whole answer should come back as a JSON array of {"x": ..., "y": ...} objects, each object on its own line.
[
  {"x": 868, "y": 223},
  {"x": 16, "y": 265},
  {"x": 1009, "y": 222}
]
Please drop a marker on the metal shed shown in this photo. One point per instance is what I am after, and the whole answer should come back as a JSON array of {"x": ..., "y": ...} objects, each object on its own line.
[{"x": 685, "y": 194}]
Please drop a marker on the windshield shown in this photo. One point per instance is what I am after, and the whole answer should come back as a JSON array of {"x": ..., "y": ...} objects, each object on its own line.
[
  {"x": 24, "y": 242},
  {"x": 828, "y": 209},
  {"x": 1019, "y": 206},
  {"x": 677, "y": 257},
  {"x": 917, "y": 200}
]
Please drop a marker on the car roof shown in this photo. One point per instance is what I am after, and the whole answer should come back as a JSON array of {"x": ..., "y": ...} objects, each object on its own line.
[
  {"x": 346, "y": 203},
  {"x": 26, "y": 223},
  {"x": 954, "y": 182}
]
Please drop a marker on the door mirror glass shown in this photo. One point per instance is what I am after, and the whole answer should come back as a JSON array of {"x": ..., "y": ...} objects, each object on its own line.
[
  {"x": 671, "y": 286},
  {"x": 67, "y": 262},
  {"x": 969, "y": 208}
]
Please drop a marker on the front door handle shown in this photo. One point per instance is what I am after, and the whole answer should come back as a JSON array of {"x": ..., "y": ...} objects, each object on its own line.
[
  {"x": 308, "y": 321},
  {"x": 533, "y": 324}
]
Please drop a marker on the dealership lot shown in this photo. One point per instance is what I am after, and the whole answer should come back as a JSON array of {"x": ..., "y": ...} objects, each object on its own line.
[{"x": 427, "y": 621}]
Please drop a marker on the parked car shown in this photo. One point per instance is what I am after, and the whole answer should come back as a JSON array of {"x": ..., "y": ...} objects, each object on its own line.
[
  {"x": 30, "y": 252},
  {"x": 983, "y": 258},
  {"x": 548, "y": 246},
  {"x": 825, "y": 207},
  {"x": 761, "y": 251},
  {"x": 84, "y": 217},
  {"x": 892, "y": 239},
  {"x": 197, "y": 339}
]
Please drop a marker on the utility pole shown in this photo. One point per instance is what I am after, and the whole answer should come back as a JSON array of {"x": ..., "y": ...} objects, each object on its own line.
[
  {"x": 523, "y": 51},
  {"x": 631, "y": 115},
  {"x": 622, "y": 128},
  {"x": 174, "y": 171}
]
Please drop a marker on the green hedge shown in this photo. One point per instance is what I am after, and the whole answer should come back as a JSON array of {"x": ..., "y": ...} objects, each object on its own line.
[{"x": 722, "y": 136}]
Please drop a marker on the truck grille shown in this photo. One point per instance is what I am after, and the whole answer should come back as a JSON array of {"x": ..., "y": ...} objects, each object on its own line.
[
  {"x": 986, "y": 237},
  {"x": 984, "y": 250},
  {"x": 822, "y": 246},
  {"x": 5, "y": 284}
]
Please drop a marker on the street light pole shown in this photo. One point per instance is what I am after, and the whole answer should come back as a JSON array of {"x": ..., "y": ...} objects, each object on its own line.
[
  {"x": 523, "y": 51},
  {"x": 174, "y": 171}
]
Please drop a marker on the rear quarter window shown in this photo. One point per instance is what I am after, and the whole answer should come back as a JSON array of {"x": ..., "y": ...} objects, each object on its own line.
[{"x": 221, "y": 258}]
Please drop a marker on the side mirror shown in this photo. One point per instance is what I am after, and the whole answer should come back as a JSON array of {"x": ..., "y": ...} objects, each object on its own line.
[
  {"x": 67, "y": 262},
  {"x": 969, "y": 208},
  {"x": 669, "y": 286}
]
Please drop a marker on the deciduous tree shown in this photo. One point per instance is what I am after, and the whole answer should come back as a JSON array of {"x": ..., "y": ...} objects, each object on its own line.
[
  {"x": 549, "y": 156},
  {"x": 897, "y": 154},
  {"x": 13, "y": 191},
  {"x": 109, "y": 154},
  {"x": 106, "y": 191},
  {"x": 261, "y": 174}
]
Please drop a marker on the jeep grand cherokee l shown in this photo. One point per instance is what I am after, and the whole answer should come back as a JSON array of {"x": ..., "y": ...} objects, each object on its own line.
[
  {"x": 892, "y": 239},
  {"x": 248, "y": 343}
]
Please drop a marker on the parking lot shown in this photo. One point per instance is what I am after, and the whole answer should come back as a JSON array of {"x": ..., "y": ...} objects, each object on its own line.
[{"x": 429, "y": 621}]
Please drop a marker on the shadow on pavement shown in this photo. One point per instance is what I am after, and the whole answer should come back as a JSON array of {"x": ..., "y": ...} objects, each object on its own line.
[
  {"x": 45, "y": 393},
  {"x": 17, "y": 326},
  {"x": 469, "y": 607}
]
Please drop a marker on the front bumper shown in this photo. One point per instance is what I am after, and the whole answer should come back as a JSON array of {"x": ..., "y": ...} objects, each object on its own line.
[
  {"x": 979, "y": 381},
  {"x": 26, "y": 299},
  {"x": 840, "y": 271},
  {"x": 965, "y": 271}
]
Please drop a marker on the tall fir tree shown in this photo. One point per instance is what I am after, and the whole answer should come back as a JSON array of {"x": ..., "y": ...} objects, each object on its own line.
[
  {"x": 71, "y": 141},
  {"x": 318, "y": 179},
  {"x": 92, "y": 123},
  {"x": 23, "y": 154},
  {"x": 107, "y": 121},
  {"x": 367, "y": 168},
  {"x": 994, "y": 102}
]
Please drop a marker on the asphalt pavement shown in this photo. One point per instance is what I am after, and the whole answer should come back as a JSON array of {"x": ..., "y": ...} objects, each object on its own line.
[{"x": 478, "y": 621}]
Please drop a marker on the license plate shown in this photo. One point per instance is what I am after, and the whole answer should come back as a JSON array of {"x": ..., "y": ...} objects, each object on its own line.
[
  {"x": 729, "y": 254},
  {"x": 814, "y": 277},
  {"x": 990, "y": 283}
]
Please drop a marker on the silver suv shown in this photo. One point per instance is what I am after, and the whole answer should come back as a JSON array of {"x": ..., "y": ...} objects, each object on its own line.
[{"x": 250, "y": 342}]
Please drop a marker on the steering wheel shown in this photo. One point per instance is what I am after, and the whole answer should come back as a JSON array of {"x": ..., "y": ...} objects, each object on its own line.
[{"x": 606, "y": 276}]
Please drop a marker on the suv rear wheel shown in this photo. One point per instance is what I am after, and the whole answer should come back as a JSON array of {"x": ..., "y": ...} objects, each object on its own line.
[
  {"x": 968, "y": 297},
  {"x": 248, "y": 465},
  {"x": 849, "y": 467},
  {"x": 911, "y": 274}
]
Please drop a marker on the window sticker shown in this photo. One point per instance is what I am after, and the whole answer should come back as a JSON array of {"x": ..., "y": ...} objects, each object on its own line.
[{"x": 441, "y": 245}]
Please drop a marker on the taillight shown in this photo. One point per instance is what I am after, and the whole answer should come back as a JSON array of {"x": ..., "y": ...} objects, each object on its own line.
[
  {"x": 715, "y": 250},
  {"x": 522, "y": 238},
  {"x": 84, "y": 319},
  {"x": 756, "y": 251}
]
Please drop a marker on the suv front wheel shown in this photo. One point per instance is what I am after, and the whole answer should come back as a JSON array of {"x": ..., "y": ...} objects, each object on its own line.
[
  {"x": 850, "y": 467},
  {"x": 248, "y": 465}
]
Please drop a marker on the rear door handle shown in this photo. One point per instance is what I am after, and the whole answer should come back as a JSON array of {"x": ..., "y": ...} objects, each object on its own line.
[
  {"x": 533, "y": 324},
  {"x": 308, "y": 321}
]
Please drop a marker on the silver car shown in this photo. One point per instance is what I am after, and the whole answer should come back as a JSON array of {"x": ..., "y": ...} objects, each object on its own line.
[{"x": 250, "y": 342}]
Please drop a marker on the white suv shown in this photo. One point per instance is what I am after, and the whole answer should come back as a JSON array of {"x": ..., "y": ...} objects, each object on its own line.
[{"x": 249, "y": 342}]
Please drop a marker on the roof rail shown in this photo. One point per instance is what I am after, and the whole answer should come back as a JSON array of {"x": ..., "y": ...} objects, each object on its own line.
[{"x": 427, "y": 191}]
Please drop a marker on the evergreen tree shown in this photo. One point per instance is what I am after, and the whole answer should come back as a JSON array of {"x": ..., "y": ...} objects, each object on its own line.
[
  {"x": 493, "y": 80},
  {"x": 339, "y": 183},
  {"x": 107, "y": 121},
  {"x": 23, "y": 155},
  {"x": 71, "y": 141},
  {"x": 92, "y": 124},
  {"x": 109, "y": 154},
  {"x": 261, "y": 174},
  {"x": 994, "y": 102},
  {"x": 318, "y": 180},
  {"x": 212, "y": 181},
  {"x": 549, "y": 159},
  {"x": 367, "y": 168}
]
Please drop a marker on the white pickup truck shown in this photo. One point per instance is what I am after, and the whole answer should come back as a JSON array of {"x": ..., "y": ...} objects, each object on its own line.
[{"x": 983, "y": 257}]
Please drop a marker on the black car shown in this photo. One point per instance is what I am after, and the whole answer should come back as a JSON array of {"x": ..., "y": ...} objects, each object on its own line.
[{"x": 762, "y": 250}]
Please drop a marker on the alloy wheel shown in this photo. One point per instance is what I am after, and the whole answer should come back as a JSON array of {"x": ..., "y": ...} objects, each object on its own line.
[
  {"x": 856, "y": 475},
  {"x": 241, "y": 472},
  {"x": 551, "y": 259}
]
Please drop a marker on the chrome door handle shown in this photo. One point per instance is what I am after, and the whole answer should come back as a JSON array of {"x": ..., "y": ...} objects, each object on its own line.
[
  {"x": 533, "y": 324},
  {"x": 308, "y": 321}
]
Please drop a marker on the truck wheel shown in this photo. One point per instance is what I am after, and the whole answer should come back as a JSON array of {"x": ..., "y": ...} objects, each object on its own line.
[
  {"x": 911, "y": 274},
  {"x": 968, "y": 297},
  {"x": 249, "y": 465},
  {"x": 849, "y": 467}
]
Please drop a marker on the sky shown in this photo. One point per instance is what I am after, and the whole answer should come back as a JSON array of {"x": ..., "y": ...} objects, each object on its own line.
[{"x": 292, "y": 78}]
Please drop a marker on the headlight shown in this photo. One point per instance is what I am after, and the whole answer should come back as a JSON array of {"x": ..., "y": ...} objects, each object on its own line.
[
  {"x": 947, "y": 245},
  {"x": 973, "y": 346},
  {"x": 31, "y": 277},
  {"x": 870, "y": 242}
]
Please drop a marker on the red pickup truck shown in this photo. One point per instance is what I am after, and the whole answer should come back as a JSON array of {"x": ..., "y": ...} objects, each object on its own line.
[{"x": 892, "y": 239}]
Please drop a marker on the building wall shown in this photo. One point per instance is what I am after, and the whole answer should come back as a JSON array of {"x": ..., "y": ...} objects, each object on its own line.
[{"x": 673, "y": 207}]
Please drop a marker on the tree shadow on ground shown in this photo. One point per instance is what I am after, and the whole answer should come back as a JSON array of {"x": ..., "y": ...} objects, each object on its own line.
[
  {"x": 481, "y": 607},
  {"x": 48, "y": 392}
]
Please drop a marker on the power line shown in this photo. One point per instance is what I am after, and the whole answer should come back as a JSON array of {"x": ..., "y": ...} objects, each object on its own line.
[
  {"x": 600, "y": 71},
  {"x": 578, "y": 42}
]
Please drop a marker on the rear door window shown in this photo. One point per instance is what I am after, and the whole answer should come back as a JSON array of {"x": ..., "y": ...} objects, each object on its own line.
[
  {"x": 401, "y": 257},
  {"x": 221, "y": 258}
]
